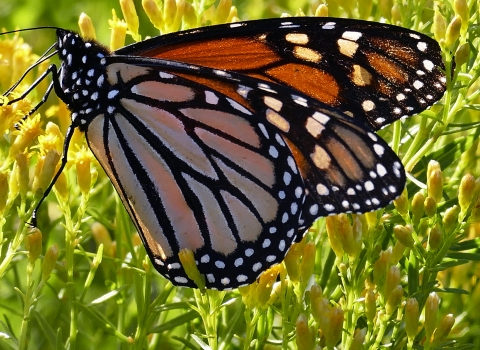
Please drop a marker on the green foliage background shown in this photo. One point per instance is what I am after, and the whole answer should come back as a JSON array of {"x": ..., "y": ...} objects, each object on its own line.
[{"x": 105, "y": 294}]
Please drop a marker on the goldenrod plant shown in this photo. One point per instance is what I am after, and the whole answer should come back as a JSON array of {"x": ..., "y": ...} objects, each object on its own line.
[{"x": 404, "y": 277}]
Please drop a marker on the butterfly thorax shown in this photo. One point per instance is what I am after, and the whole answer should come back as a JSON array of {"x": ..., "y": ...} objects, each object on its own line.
[{"x": 82, "y": 75}]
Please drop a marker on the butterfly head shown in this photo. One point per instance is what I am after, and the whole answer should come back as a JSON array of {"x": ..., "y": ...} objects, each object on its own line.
[{"x": 82, "y": 73}]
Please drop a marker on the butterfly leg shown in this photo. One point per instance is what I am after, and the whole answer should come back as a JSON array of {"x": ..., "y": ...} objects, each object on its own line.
[{"x": 68, "y": 138}]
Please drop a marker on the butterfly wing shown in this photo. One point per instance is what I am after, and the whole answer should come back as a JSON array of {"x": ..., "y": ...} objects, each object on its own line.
[
  {"x": 375, "y": 72},
  {"x": 229, "y": 166}
]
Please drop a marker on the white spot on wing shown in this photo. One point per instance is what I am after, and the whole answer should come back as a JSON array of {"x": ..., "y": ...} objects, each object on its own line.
[
  {"x": 211, "y": 98},
  {"x": 369, "y": 186},
  {"x": 379, "y": 150},
  {"x": 428, "y": 65},
  {"x": 322, "y": 190},
  {"x": 417, "y": 84},
  {"x": 329, "y": 25},
  {"x": 421, "y": 46},
  {"x": 238, "y": 106},
  {"x": 349, "y": 35}
]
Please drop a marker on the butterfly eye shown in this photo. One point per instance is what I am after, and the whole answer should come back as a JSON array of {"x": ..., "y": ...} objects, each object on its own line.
[{"x": 230, "y": 141}]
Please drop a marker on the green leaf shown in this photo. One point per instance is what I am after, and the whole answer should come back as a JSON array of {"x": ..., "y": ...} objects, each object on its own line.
[
  {"x": 448, "y": 264},
  {"x": 177, "y": 321},
  {"x": 47, "y": 332},
  {"x": 466, "y": 256},
  {"x": 466, "y": 245}
]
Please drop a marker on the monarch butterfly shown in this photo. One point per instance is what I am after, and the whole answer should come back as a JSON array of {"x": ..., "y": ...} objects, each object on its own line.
[{"x": 232, "y": 139}]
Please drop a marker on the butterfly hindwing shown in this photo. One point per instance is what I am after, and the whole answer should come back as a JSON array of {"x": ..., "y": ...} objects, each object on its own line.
[
  {"x": 248, "y": 168},
  {"x": 196, "y": 170}
]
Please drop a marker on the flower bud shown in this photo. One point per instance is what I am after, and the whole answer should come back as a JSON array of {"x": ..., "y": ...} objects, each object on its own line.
[
  {"x": 365, "y": 10},
  {"x": 333, "y": 336},
  {"x": 177, "y": 22},
  {"x": 380, "y": 268},
  {"x": 396, "y": 14},
  {"x": 331, "y": 223},
  {"x": 453, "y": 30},
  {"x": 435, "y": 238},
  {"x": 265, "y": 285},
  {"x": 305, "y": 336},
  {"x": 475, "y": 215},
  {"x": 385, "y": 7},
  {"x": 320, "y": 308},
  {"x": 370, "y": 305},
  {"x": 61, "y": 186},
  {"x": 444, "y": 328},
  {"x": 418, "y": 207},
  {"x": 101, "y": 236},
  {"x": 45, "y": 170},
  {"x": 422, "y": 227},
  {"x": 412, "y": 316},
  {"x": 20, "y": 176},
  {"x": 466, "y": 191},
  {"x": 130, "y": 15},
  {"x": 397, "y": 252},
  {"x": 392, "y": 281},
  {"x": 33, "y": 244},
  {"x": 394, "y": 300},
  {"x": 316, "y": 292},
  {"x": 358, "y": 339},
  {"x": 153, "y": 13},
  {"x": 461, "y": 9},
  {"x": 344, "y": 232},
  {"x": 434, "y": 181},
  {"x": 430, "y": 206},
  {"x": 462, "y": 54},
  {"x": 82, "y": 164},
  {"x": 170, "y": 11},
  {"x": 222, "y": 11},
  {"x": 49, "y": 261},
  {"x": 321, "y": 11},
  {"x": 372, "y": 220},
  {"x": 431, "y": 313},
  {"x": 404, "y": 235},
  {"x": 450, "y": 219},
  {"x": 26, "y": 136},
  {"x": 308, "y": 263},
  {"x": 187, "y": 258},
  {"x": 439, "y": 25},
  {"x": 87, "y": 30},
  {"x": 401, "y": 203},
  {"x": 190, "y": 16},
  {"x": 119, "y": 32},
  {"x": 3, "y": 191},
  {"x": 291, "y": 261},
  {"x": 233, "y": 15},
  {"x": 248, "y": 295}
]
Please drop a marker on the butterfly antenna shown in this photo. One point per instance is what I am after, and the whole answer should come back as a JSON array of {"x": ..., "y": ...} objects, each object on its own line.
[
  {"x": 28, "y": 29},
  {"x": 42, "y": 59}
]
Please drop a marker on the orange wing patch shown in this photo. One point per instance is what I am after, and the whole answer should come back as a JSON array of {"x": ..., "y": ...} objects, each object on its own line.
[
  {"x": 230, "y": 53},
  {"x": 310, "y": 80}
]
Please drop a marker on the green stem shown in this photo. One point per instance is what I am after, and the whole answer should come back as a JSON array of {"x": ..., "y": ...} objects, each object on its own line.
[
  {"x": 249, "y": 329},
  {"x": 381, "y": 333},
  {"x": 28, "y": 300}
]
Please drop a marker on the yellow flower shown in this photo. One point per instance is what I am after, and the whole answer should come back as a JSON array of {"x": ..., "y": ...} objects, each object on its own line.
[
  {"x": 83, "y": 159},
  {"x": 26, "y": 136},
  {"x": 119, "y": 32}
]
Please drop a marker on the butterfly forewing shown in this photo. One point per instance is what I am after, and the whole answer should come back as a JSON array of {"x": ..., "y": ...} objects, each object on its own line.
[{"x": 375, "y": 72}]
